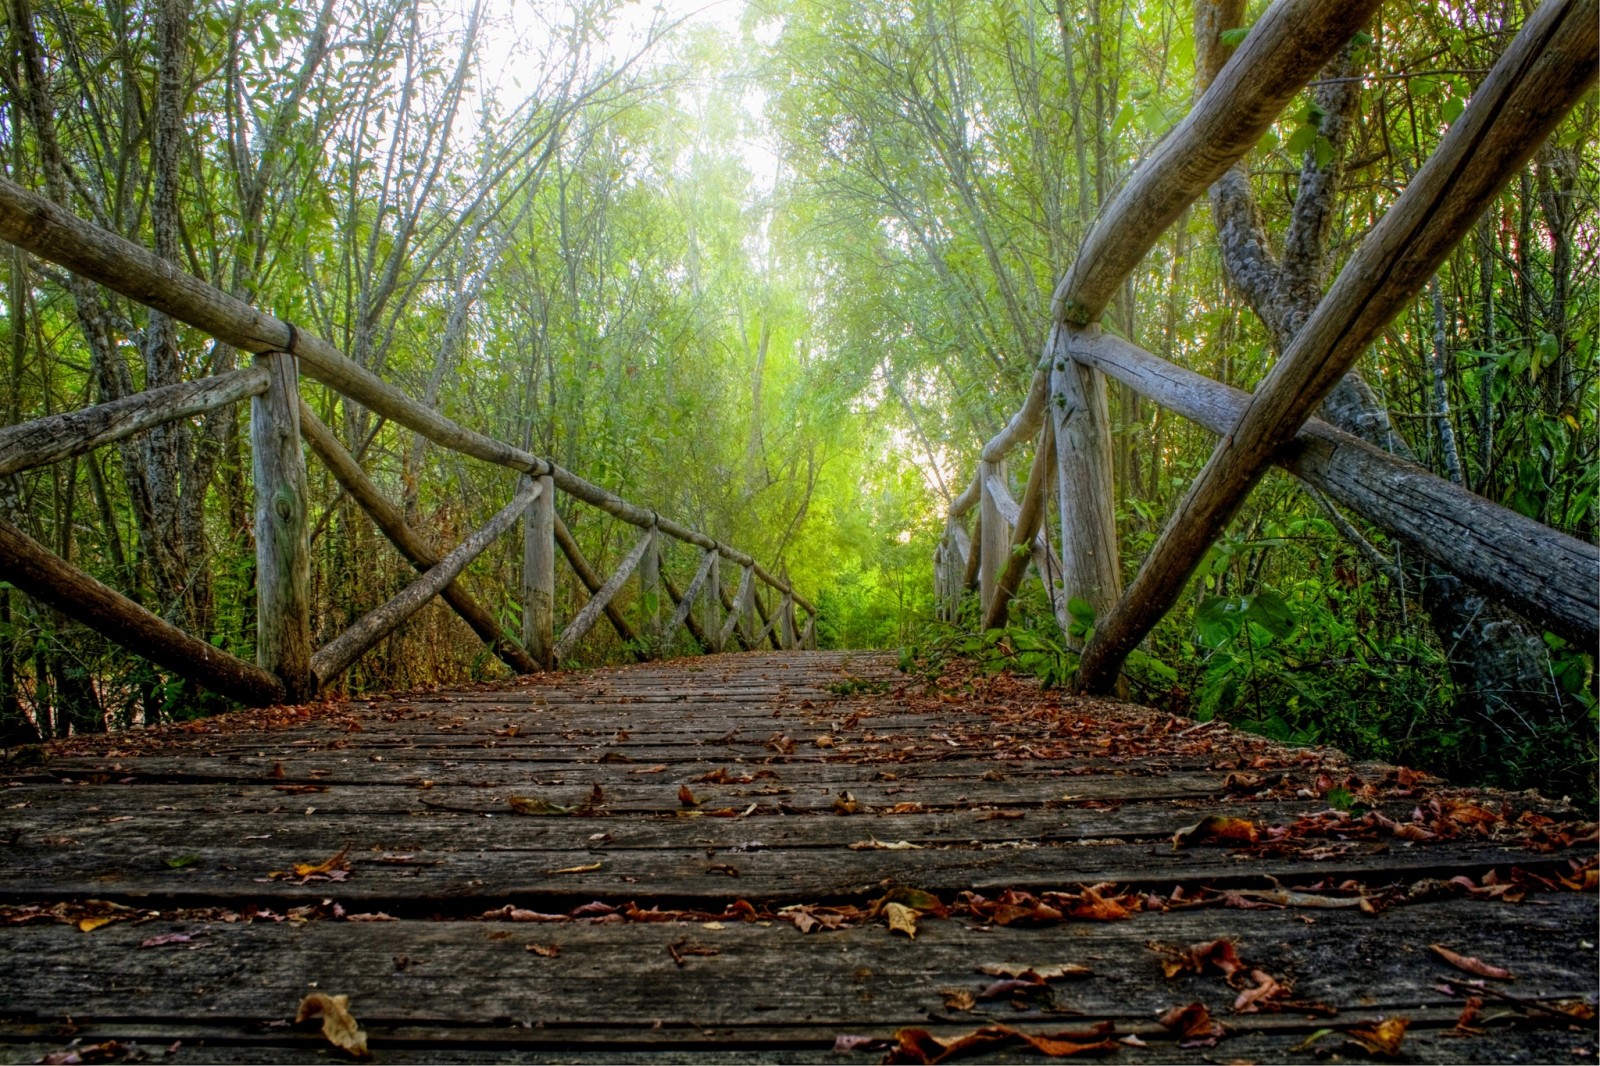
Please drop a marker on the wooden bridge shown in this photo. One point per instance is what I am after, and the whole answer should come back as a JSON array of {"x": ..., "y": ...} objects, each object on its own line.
[
  {"x": 792, "y": 857},
  {"x": 807, "y": 855}
]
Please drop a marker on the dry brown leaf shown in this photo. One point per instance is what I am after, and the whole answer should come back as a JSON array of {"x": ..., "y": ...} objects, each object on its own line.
[
  {"x": 1192, "y": 1023},
  {"x": 89, "y": 925},
  {"x": 845, "y": 803},
  {"x": 1382, "y": 1037},
  {"x": 960, "y": 999},
  {"x": 1036, "y": 973},
  {"x": 1217, "y": 829},
  {"x": 585, "y": 868},
  {"x": 1197, "y": 958},
  {"x": 878, "y": 845},
  {"x": 545, "y": 951},
  {"x": 537, "y": 807},
  {"x": 658, "y": 768},
  {"x": 902, "y": 919},
  {"x": 338, "y": 1025},
  {"x": 1470, "y": 964},
  {"x": 687, "y": 798}
]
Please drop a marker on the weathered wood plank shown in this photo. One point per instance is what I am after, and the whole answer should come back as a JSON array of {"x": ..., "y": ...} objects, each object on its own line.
[
  {"x": 1024, "y": 531},
  {"x": 591, "y": 580},
  {"x": 30, "y": 567},
  {"x": 57, "y": 437},
  {"x": 337, "y": 655},
  {"x": 1539, "y": 78}
]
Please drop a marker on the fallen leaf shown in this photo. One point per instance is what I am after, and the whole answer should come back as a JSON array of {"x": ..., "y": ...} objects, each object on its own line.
[
  {"x": 658, "y": 768},
  {"x": 845, "y": 803},
  {"x": 1036, "y": 973},
  {"x": 586, "y": 868},
  {"x": 537, "y": 806},
  {"x": 902, "y": 919},
  {"x": 845, "y": 1044},
  {"x": 337, "y": 1023},
  {"x": 824, "y": 741},
  {"x": 1193, "y": 1024},
  {"x": 615, "y": 756},
  {"x": 169, "y": 938},
  {"x": 1095, "y": 907},
  {"x": 1382, "y": 1037},
  {"x": 1197, "y": 958},
  {"x": 1470, "y": 964},
  {"x": 181, "y": 861},
  {"x": 299, "y": 789},
  {"x": 1217, "y": 829},
  {"x": 89, "y": 925},
  {"x": 545, "y": 951},
  {"x": 1471, "y": 1014},
  {"x": 917, "y": 900},
  {"x": 958, "y": 999},
  {"x": 1261, "y": 993},
  {"x": 105, "y": 1051},
  {"x": 686, "y": 798},
  {"x": 922, "y": 1047},
  {"x": 328, "y": 865},
  {"x": 878, "y": 845}
]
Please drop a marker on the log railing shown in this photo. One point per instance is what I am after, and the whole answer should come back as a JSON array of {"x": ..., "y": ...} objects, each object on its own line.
[
  {"x": 287, "y": 666},
  {"x": 1550, "y": 578}
]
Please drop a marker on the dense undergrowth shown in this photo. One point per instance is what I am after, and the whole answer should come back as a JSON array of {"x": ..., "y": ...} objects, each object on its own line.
[{"x": 1308, "y": 662}]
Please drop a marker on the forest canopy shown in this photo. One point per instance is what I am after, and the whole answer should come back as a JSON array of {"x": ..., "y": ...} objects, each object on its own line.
[{"x": 777, "y": 269}]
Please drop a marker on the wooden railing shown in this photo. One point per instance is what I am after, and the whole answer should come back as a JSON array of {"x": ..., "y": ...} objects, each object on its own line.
[
  {"x": 287, "y": 667},
  {"x": 1548, "y": 577}
]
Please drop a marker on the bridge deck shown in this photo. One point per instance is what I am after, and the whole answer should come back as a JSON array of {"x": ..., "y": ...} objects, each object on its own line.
[{"x": 721, "y": 886}]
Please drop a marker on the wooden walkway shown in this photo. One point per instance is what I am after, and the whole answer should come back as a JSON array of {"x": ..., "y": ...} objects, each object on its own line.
[{"x": 700, "y": 861}]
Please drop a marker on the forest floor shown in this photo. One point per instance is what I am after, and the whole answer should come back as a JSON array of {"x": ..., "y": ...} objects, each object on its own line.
[{"x": 778, "y": 858}]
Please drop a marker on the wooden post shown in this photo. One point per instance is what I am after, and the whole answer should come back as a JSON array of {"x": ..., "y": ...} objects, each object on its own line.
[
  {"x": 1089, "y": 561},
  {"x": 747, "y": 612},
  {"x": 650, "y": 588},
  {"x": 283, "y": 553},
  {"x": 994, "y": 535},
  {"x": 786, "y": 622},
  {"x": 713, "y": 602},
  {"x": 539, "y": 576}
]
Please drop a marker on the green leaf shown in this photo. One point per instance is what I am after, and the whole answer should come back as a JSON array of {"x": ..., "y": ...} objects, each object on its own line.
[
  {"x": 181, "y": 861},
  {"x": 1081, "y": 610},
  {"x": 1451, "y": 109},
  {"x": 1235, "y": 37},
  {"x": 1324, "y": 151},
  {"x": 1301, "y": 140},
  {"x": 1271, "y": 612}
]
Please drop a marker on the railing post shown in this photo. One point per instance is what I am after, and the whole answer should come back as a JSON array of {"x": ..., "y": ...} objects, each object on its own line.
[
  {"x": 539, "y": 575},
  {"x": 283, "y": 554},
  {"x": 786, "y": 622},
  {"x": 713, "y": 605},
  {"x": 650, "y": 588},
  {"x": 747, "y": 610},
  {"x": 994, "y": 537},
  {"x": 1089, "y": 562}
]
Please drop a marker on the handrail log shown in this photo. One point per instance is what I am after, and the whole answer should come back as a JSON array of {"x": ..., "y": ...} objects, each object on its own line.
[
  {"x": 686, "y": 600},
  {"x": 336, "y": 656},
  {"x": 1545, "y": 575},
  {"x": 1284, "y": 50},
  {"x": 28, "y": 565},
  {"x": 737, "y": 607},
  {"x": 1541, "y": 75},
  {"x": 1024, "y": 533},
  {"x": 51, "y": 232},
  {"x": 58, "y": 437},
  {"x": 590, "y": 614},
  {"x": 416, "y": 549},
  {"x": 591, "y": 580}
]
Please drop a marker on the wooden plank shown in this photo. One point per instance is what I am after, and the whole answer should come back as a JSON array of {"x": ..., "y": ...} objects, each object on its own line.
[
  {"x": 590, "y": 579},
  {"x": 579, "y": 627},
  {"x": 463, "y": 973},
  {"x": 1548, "y": 577},
  {"x": 57, "y": 437},
  {"x": 336, "y": 656},
  {"x": 539, "y": 576},
  {"x": 27, "y": 565},
  {"x": 412, "y": 545},
  {"x": 1539, "y": 78},
  {"x": 283, "y": 550}
]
